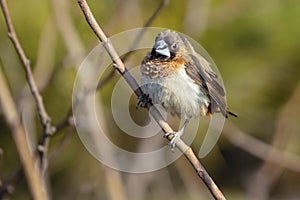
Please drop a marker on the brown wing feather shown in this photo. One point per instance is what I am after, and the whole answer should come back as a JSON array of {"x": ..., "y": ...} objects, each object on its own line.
[{"x": 201, "y": 72}]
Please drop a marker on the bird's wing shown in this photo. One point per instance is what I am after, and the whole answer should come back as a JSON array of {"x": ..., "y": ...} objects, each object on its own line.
[{"x": 199, "y": 69}]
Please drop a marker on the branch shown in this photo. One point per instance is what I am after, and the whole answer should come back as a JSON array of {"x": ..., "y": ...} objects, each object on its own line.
[
  {"x": 268, "y": 174},
  {"x": 67, "y": 120},
  {"x": 44, "y": 67},
  {"x": 67, "y": 30},
  {"x": 43, "y": 115},
  {"x": 135, "y": 42},
  {"x": 34, "y": 179},
  {"x": 261, "y": 149},
  {"x": 119, "y": 65}
]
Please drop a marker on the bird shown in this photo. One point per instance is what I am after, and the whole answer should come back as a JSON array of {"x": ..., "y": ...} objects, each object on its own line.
[{"x": 179, "y": 79}]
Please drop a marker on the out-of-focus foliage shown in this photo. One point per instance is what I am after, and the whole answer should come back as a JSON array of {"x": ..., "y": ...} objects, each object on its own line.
[{"x": 256, "y": 46}]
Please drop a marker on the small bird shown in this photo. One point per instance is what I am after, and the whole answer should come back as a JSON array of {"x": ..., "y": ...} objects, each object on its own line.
[{"x": 181, "y": 80}]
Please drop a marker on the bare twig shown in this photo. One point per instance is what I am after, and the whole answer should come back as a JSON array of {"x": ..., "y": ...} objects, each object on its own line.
[
  {"x": 43, "y": 115},
  {"x": 138, "y": 38},
  {"x": 189, "y": 180},
  {"x": 113, "y": 178},
  {"x": 119, "y": 65},
  {"x": 260, "y": 149},
  {"x": 45, "y": 119},
  {"x": 268, "y": 173},
  {"x": 66, "y": 120},
  {"x": 42, "y": 74},
  {"x": 33, "y": 175},
  {"x": 136, "y": 41},
  {"x": 67, "y": 30},
  {"x": 44, "y": 67}
]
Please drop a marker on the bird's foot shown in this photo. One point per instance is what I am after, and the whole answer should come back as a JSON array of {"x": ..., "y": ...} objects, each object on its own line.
[
  {"x": 143, "y": 100},
  {"x": 176, "y": 136}
]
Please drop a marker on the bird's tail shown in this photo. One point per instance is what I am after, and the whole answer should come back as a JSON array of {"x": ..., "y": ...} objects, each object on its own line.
[{"x": 231, "y": 113}]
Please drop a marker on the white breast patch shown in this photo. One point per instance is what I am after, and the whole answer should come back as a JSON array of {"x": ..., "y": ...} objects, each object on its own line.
[{"x": 177, "y": 93}]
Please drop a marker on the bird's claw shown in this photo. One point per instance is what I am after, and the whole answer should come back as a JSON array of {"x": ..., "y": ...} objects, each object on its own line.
[
  {"x": 143, "y": 100},
  {"x": 176, "y": 135}
]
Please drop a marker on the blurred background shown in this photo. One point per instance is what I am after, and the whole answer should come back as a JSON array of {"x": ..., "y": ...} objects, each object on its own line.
[{"x": 256, "y": 46}]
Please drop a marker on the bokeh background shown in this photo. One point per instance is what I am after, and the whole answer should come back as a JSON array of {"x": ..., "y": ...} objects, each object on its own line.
[{"x": 256, "y": 46}]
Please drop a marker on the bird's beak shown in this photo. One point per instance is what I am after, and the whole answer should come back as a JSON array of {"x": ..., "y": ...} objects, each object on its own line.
[{"x": 161, "y": 47}]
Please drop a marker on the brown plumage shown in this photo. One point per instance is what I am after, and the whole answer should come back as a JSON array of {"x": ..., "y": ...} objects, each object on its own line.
[{"x": 181, "y": 80}]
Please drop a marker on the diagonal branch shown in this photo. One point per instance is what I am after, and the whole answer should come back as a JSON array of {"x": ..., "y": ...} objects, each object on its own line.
[
  {"x": 35, "y": 180},
  {"x": 119, "y": 65},
  {"x": 138, "y": 38},
  {"x": 261, "y": 149},
  {"x": 268, "y": 174},
  {"x": 136, "y": 41},
  {"x": 43, "y": 115},
  {"x": 67, "y": 120}
]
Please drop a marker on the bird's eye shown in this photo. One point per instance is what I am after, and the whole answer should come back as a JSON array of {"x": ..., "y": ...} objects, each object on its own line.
[{"x": 174, "y": 46}]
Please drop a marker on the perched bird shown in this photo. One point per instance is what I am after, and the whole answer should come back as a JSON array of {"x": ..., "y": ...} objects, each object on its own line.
[{"x": 181, "y": 80}]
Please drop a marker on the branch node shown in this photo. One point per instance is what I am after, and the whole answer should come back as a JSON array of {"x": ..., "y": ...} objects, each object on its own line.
[
  {"x": 10, "y": 35},
  {"x": 53, "y": 130},
  {"x": 41, "y": 148}
]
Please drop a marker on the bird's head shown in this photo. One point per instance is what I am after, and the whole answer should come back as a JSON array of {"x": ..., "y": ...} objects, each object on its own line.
[{"x": 169, "y": 44}]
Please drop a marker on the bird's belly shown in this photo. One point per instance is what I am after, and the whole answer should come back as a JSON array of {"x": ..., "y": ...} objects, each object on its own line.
[{"x": 178, "y": 94}]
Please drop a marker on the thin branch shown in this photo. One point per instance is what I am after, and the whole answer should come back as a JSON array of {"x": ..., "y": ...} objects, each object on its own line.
[
  {"x": 119, "y": 65},
  {"x": 34, "y": 179},
  {"x": 188, "y": 179},
  {"x": 67, "y": 30},
  {"x": 43, "y": 115},
  {"x": 268, "y": 174},
  {"x": 138, "y": 38},
  {"x": 136, "y": 41},
  {"x": 45, "y": 119},
  {"x": 66, "y": 121},
  {"x": 261, "y": 149},
  {"x": 44, "y": 67},
  {"x": 68, "y": 118}
]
